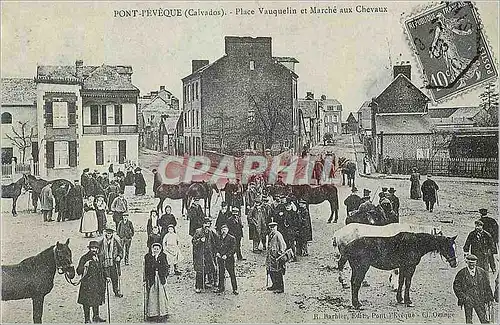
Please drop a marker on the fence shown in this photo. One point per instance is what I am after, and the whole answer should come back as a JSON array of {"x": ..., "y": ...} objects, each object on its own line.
[
  {"x": 10, "y": 170},
  {"x": 458, "y": 167}
]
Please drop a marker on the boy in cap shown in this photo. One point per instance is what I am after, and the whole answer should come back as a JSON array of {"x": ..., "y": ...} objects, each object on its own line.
[
  {"x": 111, "y": 252},
  {"x": 472, "y": 289},
  {"x": 93, "y": 283},
  {"x": 490, "y": 225},
  {"x": 225, "y": 259},
  {"x": 275, "y": 268},
  {"x": 479, "y": 243}
]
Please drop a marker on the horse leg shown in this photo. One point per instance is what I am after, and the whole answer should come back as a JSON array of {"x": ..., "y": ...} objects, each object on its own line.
[
  {"x": 401, "y": 280},
  {"x": 341, "y": 267},
  {"x": 333, "y": 212},
  {"x": 159, "y": 207},
  {"x": 14, "y": 202},
  {"x": 37, "y": 309},
  {"x": 357, "y": 277},
  {"x": 409, "y": 275},
  {"x": 34, "y": 201}
]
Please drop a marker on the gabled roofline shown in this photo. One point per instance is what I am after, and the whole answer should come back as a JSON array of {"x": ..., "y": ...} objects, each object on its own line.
[
  {"x": 202, "y": 69},
  {"x": 409, "y": 81}
]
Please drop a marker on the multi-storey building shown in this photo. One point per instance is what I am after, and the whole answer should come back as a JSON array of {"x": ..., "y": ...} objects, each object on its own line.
[
  {"x": 247, "y": 99},
  {"x": 87, "y": 118},
  {"x": 330, "y": 116}
]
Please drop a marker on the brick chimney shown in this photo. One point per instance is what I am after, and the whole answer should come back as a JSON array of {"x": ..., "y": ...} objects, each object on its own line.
[
  {"x": 323, "y": 97},
  {"x": 79, "y": 68},
  {"x": 309, "y": 95},
  {"x": 162, "y": 87},
  {"x": 198, "y": 64},
  {"x": 402, "y": 68}
]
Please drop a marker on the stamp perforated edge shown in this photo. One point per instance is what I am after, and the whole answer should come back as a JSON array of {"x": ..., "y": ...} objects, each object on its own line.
[{"x": 423, "y": 8}]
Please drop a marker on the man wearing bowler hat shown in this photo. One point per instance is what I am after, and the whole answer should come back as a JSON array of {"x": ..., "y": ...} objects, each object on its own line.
[
  {"x": 275, "y": 268},
  {"x": 490, "y": 225},
  {"x": 92, "y": 290},
  {"x": 394, "y": 200},
  {"x": 111, "y": 253},
  {"x": 204, "y": 245},
  {"x": 479, "y": 243},
  {"x": 472, "y": 289},
  {"x": 353, "y": 201},
  {"x": 226, "y": 247}
]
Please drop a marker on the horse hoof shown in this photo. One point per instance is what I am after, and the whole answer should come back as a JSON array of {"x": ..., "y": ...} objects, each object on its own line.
[
  {"x": 356, "y": 307},
  {"x": 409, "y": 304}
]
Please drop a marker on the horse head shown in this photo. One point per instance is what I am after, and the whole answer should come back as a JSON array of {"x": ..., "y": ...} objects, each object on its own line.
[
  {"x": 447, "y": 249},
  {"x": 23, "y": 181},
  {"x": 63, "y": 258}
]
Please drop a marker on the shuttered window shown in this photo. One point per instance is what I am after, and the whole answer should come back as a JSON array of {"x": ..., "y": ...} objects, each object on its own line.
[
  {"x": 103, "y": 114},
  {"x": 61, "y": 154},
  {"x": 72, "y": 154},
  {"x": 49, "y": 120},
  {"x": 60, "y": 114},
  {"x": 72, "y": 113},
  {"x": 94, "y": 115},
  {"x": 118, "y": 114},
  {"x": 122, "y": 151},
  {"x": 99, "y": 153},
  {"x": 49, "y": 154}
]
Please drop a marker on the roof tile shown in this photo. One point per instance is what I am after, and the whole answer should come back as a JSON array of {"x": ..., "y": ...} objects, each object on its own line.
[{"x": 18, "y": 91}]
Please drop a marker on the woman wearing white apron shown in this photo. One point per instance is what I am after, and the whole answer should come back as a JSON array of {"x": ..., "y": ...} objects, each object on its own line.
[
  {"x": 172, "y": 249},
  {"x": 88, "y": 223},
  {"x": 156, "y": 270}
]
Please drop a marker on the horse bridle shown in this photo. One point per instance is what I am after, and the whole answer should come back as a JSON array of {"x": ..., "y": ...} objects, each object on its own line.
[{"x": 60, "y": 269}]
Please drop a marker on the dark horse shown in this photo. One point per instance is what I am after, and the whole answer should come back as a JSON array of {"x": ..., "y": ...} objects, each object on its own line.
[
  {"x": 60, "y": 188},
  {"x": 13, "y": 191},
  {"x": 348, "y": 169},
  {"x": 312, "y": 195},
  {"x": 403, "y": 251},
  {"x": 173, "y": 192},
  {"x": 34, "y": 277},
  {"x": 201, "y": 190}
]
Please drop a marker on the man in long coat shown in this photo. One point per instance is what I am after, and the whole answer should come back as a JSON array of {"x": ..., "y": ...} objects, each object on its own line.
[
  {"x": 394, "y": 200},
  {"x": 257, "y": 225},
  {"x": 47, "y": 202},
  {"x": 111, "y": 254},
  {"x": 196, "y": 216},
  {"x": 86, "y": 184},
  {"x": 429, "y": 192},
  {"x": 479, "y": 243},
  {"x": 113, "y": 191},
  {"x": 250, "y": 196},
  {"x": 235, "y": 226},
  {"x": 157, "y": 181},
  {"x": 275, "y": 268},
  {"x": 93, "y": 283},
  {"x": 305, "y": 228},
  {"x": 140, "y": 183},
  {"x": 490, "y": 225},
  {"x": 75, "y": 201},
  {"x": 472, "y": 289},
  {"x": 204, "y": 249}
]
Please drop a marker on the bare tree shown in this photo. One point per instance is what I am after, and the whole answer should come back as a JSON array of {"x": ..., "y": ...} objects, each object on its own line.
[
  {"x": 22, "y": 138},
  {"x": 271, "y": 118},
  {"x": 221, "y": 126},
  {"x": 489, "y": 106},
  {"x": 440, "y": 141}
]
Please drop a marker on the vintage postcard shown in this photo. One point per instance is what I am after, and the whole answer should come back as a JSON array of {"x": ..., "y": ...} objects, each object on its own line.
[{"x": 249, "y": 162}]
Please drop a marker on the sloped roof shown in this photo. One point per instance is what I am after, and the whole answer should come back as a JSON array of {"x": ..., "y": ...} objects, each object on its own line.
[
  {"x": 285, "y": 59},
  {"x": 330, "y": 101},
  {"x": 170, "y": 123},
  {"x": 458, "y": 116},
  {"x": 398, "y": 93},
  {"x": 18, "y": 91},
  {"x": 465, "y": 112},
  {"x": 351, "y": 118},
  {"x": 366, "y": 105},
  {"x": 403, "y": 124},
  {"x": 199, "y": 71},
  {"x": 308, "y": 107},
  {"x": 106, "y": 77},
  {"x": 441, "y": 112}
]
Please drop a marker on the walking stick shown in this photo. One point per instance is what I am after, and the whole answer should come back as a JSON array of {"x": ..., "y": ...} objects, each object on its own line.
[
  {"x": 203, "y": 265},
  {"x": 144, "y": 287},
  {"x": 107, "y": 293}
]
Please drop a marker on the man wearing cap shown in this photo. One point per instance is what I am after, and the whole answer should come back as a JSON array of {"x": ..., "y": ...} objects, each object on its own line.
[
  {"x": 479, "y": 243},
  {"x": 111, "y": 253},
  {"x": 125, "y": 231},
  {"x": 86, "y": 184},
  {"x": 490, "y": 225},
  {"x": 275, "y": 268},
  {"x": 225, "y": 259},
  {"x": 257, "y": 229},
  {"x": 204, "y": 246},
  {"x": 429, "y": 192},
  {"x": 140, "y": 183},
  {"x": 291, "y": 224},
  {"x": 222, "y": 217},
  {"x": 112, "y": 192},
  {"x": 119, "y": 207},
  {"x": 394, "y": 200},
  {"x": 92, "y": 290},
  {"x": 353, "y": 201},
  {"x": 235, "y": 226},
  {"x": 472, "y": 289},
  {"x": 196, "y": 216},
  {"x": 305, "y": 228}
]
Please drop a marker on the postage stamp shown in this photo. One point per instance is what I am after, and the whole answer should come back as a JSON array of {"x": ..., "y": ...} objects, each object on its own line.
[{"x": 451, "y": 48}]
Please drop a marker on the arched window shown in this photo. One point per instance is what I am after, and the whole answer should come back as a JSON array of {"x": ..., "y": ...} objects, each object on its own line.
[{"x": 6, "y": 118}]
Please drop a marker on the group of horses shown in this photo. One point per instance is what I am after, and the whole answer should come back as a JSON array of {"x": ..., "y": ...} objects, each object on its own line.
[{"x": 60, "y": 189}]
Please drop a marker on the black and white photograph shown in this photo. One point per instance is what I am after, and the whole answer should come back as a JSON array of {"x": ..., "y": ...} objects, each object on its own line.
[{"x": 249, "y": 162}]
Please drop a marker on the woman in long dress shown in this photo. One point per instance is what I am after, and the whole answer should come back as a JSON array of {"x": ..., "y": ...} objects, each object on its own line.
[
  {"x": 171, "y": 248},
  {"x": 415, "y": 185},
  {"x": 100, "y": 207},
  {"x": 88, "y": 223},
  {"x": 156, "y": 270}
]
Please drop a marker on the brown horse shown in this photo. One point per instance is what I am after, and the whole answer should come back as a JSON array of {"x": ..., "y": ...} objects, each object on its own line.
[
  {"x": 201, "y": 190},
  {"x": 13, "y": 191},
  {"x": 173, "y": 192},
  {"x": 312, "y": 195},
  {"x": 33, "y": 277}
]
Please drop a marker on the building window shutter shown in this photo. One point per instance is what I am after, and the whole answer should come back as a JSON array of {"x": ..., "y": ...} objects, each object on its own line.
[
  {"x": 103, "y": 115},
  {"x": 118, "y": 115},
  {"x": 94, "y": 115},
  {"x": 72, "y": 154},
  {"x": 49, "y": 154},
  {"x": 99, "y": 153},
  {"x": 49, "y": 120},
  {"x": 122, "y": 151},
  {"x": 71, "y": 113}
]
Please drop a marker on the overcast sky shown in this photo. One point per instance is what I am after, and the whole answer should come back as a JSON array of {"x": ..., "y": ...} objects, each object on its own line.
[{"x": 345, "y": 56}]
